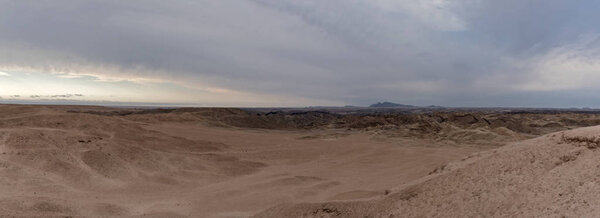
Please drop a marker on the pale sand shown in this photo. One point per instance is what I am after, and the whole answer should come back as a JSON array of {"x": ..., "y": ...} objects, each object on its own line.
[
  {"x": 543, "y": 177},
  {"x": 55, "y": 163}
]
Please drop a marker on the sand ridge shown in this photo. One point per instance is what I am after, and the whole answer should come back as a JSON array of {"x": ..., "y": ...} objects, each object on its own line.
[{"x": 552, "y": 176}]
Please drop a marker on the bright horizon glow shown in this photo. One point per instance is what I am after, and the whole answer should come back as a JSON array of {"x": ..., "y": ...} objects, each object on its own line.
[{"x": 31, "y": 87}]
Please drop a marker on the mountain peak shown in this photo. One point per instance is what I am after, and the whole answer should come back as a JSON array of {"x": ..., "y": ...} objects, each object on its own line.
[{"x": 389, "y": 104}]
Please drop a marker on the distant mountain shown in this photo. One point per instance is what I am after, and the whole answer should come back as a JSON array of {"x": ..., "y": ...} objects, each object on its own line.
[
  {"x": 435, "y": 106},
  {"x": 390, "y": 104}
]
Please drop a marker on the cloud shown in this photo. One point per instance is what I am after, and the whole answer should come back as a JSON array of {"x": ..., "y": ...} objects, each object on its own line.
[
  {"x": 315, "y": 52},
  {"x": 57, "y": 96},
  {"x": 4, "y": 74},
  {"x": 567, "y": 67},
  {"x": 438, "y": 14}
]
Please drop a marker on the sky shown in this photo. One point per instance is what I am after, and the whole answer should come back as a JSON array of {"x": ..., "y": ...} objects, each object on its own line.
[{"x": 284, "y": 53}]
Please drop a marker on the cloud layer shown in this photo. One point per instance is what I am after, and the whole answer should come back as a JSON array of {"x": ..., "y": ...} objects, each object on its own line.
[{"x": 456, "y": 53}]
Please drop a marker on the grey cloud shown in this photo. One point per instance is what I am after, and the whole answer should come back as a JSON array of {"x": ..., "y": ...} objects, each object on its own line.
[
  {"x": 61, "y": 96},
  {"x": 351, "y": 51},
  {"x": 56, "y": 96},
  {"x": 527, "y": 27}
]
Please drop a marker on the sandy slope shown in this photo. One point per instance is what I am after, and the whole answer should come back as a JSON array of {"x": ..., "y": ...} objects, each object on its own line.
[
  {"x": 55, "y": 163},
  {"x": 552, "y": 176}
]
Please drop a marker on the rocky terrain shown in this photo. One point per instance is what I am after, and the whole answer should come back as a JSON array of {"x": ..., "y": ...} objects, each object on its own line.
[
  {"x": 86, "y": 161},
  {"x": 463, "y": 126}
]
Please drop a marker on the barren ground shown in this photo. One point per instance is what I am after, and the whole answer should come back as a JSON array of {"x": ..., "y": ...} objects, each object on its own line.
[{"x": 95, "y": 161}]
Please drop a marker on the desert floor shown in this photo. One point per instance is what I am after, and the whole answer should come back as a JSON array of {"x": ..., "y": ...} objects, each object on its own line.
[{"x": 83, "y": 161}]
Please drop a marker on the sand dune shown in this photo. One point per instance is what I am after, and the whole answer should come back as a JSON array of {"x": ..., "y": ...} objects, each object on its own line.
[
  {"x": 94, "y": 161},
  {"x": 551, "y": 176}
]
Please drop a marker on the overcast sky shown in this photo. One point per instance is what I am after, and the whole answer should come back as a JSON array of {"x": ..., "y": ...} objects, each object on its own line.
[{"x": 543, "y": 53}]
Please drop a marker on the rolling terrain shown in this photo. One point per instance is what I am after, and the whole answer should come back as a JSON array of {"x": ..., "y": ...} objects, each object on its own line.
[
  {"x": 87, "y": 161},
  {"x": 551, "y": 176}
]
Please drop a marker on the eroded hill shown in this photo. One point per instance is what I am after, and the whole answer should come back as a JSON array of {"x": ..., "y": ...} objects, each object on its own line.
[{"x": 470, "y": 127}]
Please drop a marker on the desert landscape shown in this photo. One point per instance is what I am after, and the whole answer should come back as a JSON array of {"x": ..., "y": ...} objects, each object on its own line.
[
  {"x": 288, "y": 108},
  {"x": 92, "y": 161}
]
